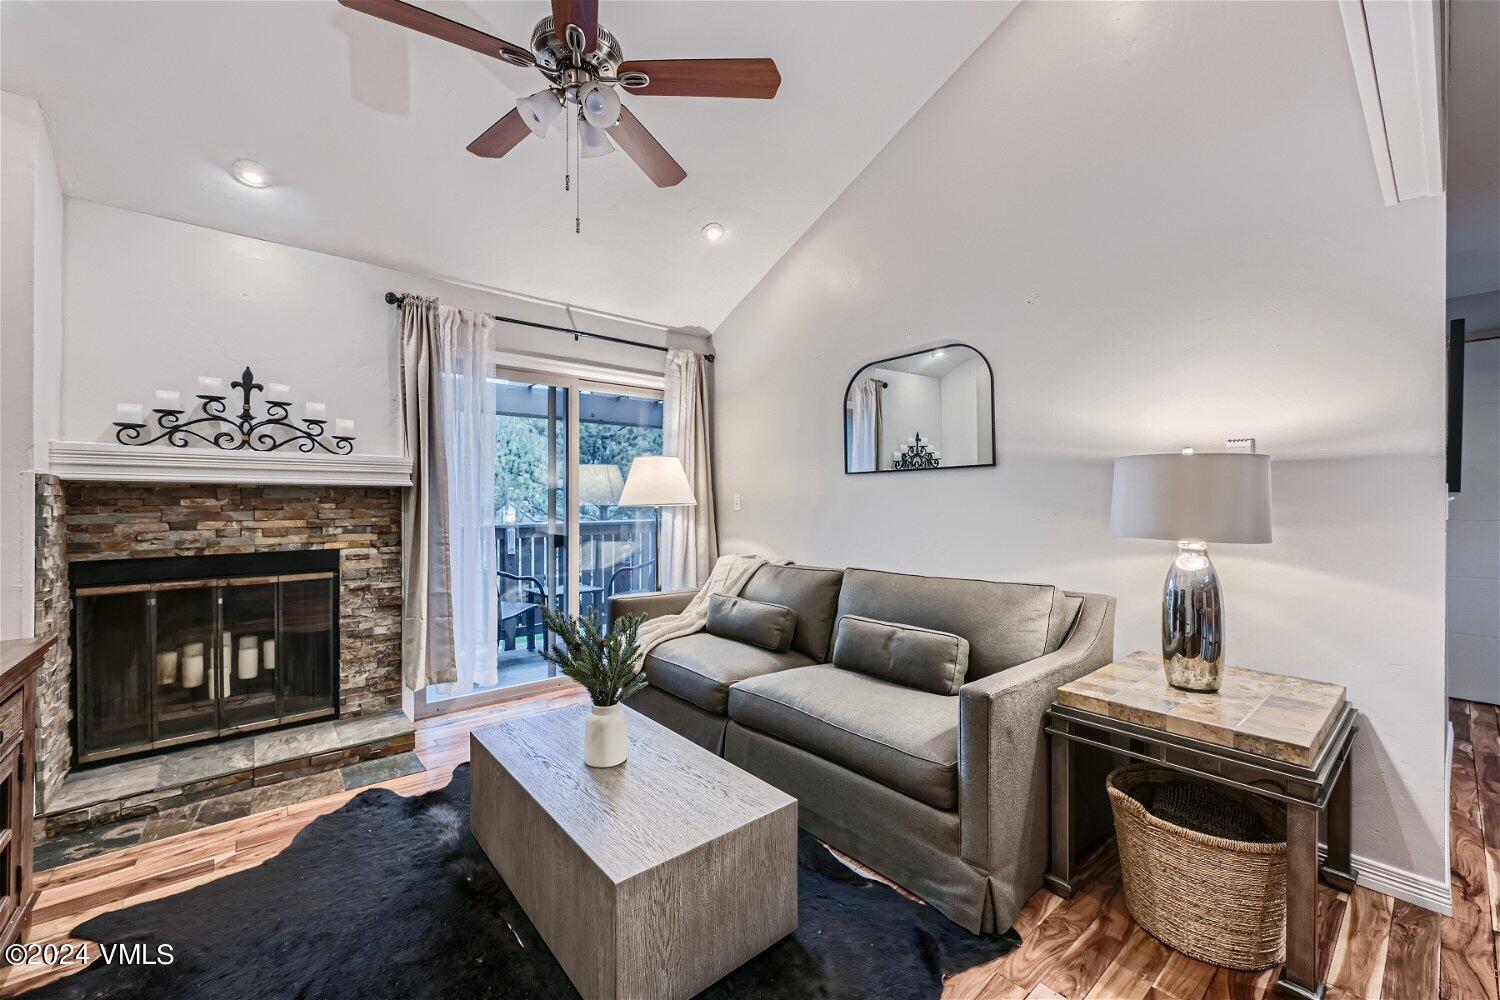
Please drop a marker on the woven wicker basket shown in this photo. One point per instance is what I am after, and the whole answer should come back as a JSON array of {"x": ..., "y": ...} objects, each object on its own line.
[{"x": 1221, "y": 901}]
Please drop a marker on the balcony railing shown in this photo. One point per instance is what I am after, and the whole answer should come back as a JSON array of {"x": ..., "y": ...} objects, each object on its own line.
[{"x": 618, "y": 557}]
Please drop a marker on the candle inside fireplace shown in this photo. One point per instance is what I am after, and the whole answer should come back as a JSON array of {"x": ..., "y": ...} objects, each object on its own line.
[
  {"x": 168, "y": 399},
  {"x": 278, "y": 390},
  {"x": 343, "y": 427},
  {"x": 210, "y": 385},
  {"x": 129, "y": 413},
  {"x": 317, "y": 411}
]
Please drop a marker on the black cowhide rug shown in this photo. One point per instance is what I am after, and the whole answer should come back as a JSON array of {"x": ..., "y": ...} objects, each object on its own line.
[{"x": 392, "y": 897}]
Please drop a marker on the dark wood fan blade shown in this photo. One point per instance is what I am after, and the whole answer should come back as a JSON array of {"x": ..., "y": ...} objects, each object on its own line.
[
  {"x": 428, "y": 23},
  {"x": 641, "y": 146},
  {"x": 501, "y": 137},
  {"x": 706, "y": 77},
  {"x": 584, "y": 13}
]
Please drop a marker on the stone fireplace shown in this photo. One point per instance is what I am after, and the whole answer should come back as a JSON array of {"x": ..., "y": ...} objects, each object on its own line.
[{"x": 103, "y": 523}]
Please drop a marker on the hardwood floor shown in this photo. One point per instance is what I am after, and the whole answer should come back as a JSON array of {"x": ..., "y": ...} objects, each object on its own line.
[{"x": 1085, "y": 947}]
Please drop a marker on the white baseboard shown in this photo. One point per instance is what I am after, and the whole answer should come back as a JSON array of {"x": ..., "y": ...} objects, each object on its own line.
[{"x": 1428, "y": 893}]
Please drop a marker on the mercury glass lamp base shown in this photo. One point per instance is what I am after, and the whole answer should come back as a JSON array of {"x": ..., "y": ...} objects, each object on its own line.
[{"x": 1192, "y": 621}]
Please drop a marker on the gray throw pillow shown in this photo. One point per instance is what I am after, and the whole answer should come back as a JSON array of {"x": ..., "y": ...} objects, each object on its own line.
[
  {"x": 769, "y": 626},
  {"x": 905, "y": 654}
]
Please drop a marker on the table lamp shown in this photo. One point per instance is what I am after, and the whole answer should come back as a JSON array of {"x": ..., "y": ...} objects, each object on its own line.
[
  {"x": 600, "y": 485},
  {"x": 1193, "y": 499}
]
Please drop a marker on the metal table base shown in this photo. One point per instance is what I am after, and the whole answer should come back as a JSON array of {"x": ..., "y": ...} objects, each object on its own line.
[{"x": 1307, "y": 793}]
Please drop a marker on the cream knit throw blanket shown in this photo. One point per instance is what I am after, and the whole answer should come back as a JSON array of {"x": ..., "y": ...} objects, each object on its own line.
[{"x": 729, "y": 576}]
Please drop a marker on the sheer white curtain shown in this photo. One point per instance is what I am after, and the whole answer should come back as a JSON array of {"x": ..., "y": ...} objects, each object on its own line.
[
  {"x": 450, "y": 615},
  {"x": 864, "y": 426},
  {"x": 689, "y": 538}
]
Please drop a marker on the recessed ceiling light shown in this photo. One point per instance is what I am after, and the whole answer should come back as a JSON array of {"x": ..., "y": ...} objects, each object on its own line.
[
  {"x": 937, "y": 354},
  {"x": 713, "y": 232},
  {"x": 250, "y": 173}
]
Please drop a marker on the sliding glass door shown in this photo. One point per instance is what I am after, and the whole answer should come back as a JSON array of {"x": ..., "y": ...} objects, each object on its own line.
[
  {"x": 563, "y": 448},
  {"x": 532, "y": 431},
  {"x": 617, "y": 545}
]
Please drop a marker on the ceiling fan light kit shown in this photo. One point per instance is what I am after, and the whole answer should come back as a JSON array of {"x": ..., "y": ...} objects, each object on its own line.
[{"x": 584, "y": 66}]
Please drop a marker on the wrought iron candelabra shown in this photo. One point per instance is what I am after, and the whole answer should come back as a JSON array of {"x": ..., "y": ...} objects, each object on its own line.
[
  {"x": 916, "y": 456},
  {"x": 239, "y": 432}
]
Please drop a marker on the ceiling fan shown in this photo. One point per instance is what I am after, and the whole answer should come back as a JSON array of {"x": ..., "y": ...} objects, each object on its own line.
[{"x": 584, "y": 64}]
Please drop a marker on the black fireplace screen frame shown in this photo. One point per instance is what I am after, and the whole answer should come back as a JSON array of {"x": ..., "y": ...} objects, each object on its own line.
[{"x": 130, "y": 572}]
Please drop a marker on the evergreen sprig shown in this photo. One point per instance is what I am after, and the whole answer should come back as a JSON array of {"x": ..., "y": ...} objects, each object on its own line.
[{"x": 604, "y": 663}]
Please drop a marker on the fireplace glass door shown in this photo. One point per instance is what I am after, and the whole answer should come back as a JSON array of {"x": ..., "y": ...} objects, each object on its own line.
[
  {"x": 186, "y": 694},
  {"x": 176, "y": 661},
  {"x": 248, "y": 634}
]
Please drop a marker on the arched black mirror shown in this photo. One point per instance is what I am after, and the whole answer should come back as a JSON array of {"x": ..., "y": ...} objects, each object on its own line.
[{"x": 930, "y": 409}]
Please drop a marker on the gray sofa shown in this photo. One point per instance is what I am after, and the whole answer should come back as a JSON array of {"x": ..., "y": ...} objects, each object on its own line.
[{"x": 944, "y": 794}]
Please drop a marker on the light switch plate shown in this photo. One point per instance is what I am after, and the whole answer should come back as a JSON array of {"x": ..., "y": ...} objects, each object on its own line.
[{"x": 736, "y": 501}]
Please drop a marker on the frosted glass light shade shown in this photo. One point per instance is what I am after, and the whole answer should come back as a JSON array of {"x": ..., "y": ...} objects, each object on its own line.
[
  {"x": 593, "y": 142},
  {"x": 539, "y": 111},
  {"x": 600, "y": 485},
  {"x": 601, "y": 105},
  {"x": 1220, "y": 497},
  {"x": 657, "y": 481}
]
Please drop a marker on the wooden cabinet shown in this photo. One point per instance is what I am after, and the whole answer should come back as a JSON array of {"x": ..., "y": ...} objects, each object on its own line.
[{"x": 19, "y": 660}]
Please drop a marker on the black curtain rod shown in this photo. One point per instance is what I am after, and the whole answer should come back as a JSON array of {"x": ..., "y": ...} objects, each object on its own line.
[{"x": 394, "y": 299}]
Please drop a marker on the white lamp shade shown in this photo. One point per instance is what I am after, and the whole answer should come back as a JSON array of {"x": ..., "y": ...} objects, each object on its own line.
[
  {"x": 539, "y": 111},
  {"x": 600, "y": 485},
  {"x": 593, "y": 142},
  {"x": 657, "y": 481},
  {"x": 1219, "y": 497}
]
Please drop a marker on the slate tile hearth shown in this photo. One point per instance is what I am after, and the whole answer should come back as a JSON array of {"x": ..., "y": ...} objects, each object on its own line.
[
  {"x": 67, "y": 848},
  {"x": 158, "y": 788}
]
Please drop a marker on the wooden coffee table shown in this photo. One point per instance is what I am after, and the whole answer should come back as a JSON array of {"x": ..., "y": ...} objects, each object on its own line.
[
  {"x": 651, "y": 879},
  {"x": 1284, "y": 738}
]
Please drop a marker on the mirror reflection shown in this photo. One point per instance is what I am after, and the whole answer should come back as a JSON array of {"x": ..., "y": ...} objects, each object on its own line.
[{"x": 932, "y": 409}]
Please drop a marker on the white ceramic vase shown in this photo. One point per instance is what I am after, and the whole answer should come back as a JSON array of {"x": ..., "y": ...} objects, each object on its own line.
[{"x": 604, "y": 736}]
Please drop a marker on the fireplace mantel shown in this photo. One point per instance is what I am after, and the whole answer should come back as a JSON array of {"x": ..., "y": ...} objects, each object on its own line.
[{"x": 98, "y": 461}]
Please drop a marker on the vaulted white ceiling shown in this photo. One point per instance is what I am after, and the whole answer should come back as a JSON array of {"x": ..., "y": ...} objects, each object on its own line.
[{"x": 363, "y": 126}]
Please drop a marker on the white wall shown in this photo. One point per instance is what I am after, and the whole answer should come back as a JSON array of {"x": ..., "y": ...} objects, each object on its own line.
[
  {"x": 31, "y": 214},
  {"x": 966, "y": 414},
  {"x": 1161, "y": 225},
  {"x": 152, "y": 304},
  {"x": 1474, "y": 536}
]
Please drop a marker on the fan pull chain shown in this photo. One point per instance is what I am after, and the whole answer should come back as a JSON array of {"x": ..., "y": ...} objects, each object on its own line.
[
  {"x": 578, "y": 188},
  {"x": 567, "y": 151}
]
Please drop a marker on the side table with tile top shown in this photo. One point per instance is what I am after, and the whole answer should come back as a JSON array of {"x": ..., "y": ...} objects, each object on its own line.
[{"x": 1284, "y": 738}]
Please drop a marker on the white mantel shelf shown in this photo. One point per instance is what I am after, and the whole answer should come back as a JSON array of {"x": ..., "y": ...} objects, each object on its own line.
[{"x": 94, "y": 460}]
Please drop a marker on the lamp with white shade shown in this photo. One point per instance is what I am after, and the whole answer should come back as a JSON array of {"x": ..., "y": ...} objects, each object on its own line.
[
  {"x": 600, "y": 485},
  {"x": 657, "y": 481},
  {"x": 1193, "y": 499}
]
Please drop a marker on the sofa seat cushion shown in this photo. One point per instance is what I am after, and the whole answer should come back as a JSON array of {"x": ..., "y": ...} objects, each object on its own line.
[
  {"x": 904, "y": 738},
  {"x": 699, "y": 668}
]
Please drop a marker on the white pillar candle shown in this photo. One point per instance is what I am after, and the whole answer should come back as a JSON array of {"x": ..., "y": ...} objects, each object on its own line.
[
  {"x": 166, "y": 667},
  {"x": 316, "y": 411},
  {"x": 129, "y": 413},
  {"x": 248, "y": 664},
  {"x": 192, "y": 664},
  {"x": 280, "y": 390},
  {"x": 226, "y": 657},
  {"x": 343, "y": 427},
  {"x": 210, "y": 385},
  {"x": 268, "y": 654},
  {"x": 168, "y": 399}
]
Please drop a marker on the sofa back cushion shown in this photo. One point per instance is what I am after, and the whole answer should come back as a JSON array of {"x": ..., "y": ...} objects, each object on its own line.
[
  {"x": 768, "y": 626},
  {"x": 1005, "y": 623},
  {"x": 904, "y": 654},
  {"x": 810, "y": 591}
]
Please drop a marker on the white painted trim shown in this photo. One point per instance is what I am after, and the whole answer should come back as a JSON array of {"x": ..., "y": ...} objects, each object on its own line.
[
  {"x": 1393, "y": 47},
  {"x": 93, "y": 460},
  {"x": 549, "y": 365},
  {"x": 1430, "y": 894},
  {"x": 418, "y": 707}
]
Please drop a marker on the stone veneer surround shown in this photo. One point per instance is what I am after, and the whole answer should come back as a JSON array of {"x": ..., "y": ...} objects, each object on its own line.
[{"x": 94, "y": 520}]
